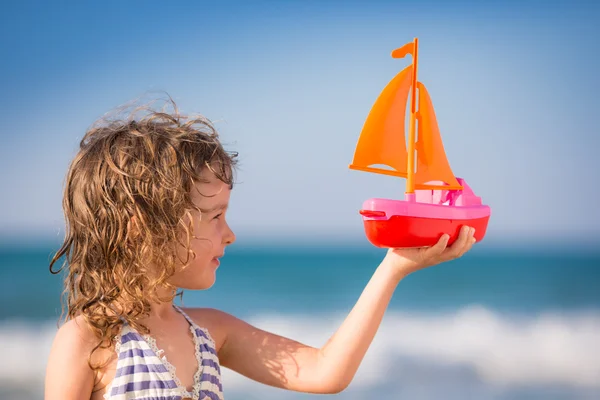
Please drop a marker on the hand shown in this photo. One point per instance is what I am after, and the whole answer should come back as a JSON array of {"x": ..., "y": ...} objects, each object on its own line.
[{"x": 409, "y": 260}]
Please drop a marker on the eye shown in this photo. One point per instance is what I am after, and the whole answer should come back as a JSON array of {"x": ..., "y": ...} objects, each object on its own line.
[{"x": 218, "y": 216}]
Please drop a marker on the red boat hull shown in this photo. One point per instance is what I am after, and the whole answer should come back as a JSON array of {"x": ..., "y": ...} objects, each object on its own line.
[{"x": 408, "y": 231}]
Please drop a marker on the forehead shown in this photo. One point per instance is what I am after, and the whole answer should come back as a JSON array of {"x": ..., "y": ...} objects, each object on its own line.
[{"x": 210, "y": 191}]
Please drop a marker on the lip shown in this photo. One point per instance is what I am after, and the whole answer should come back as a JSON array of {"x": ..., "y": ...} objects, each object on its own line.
[{"x": 217, "y": 259}]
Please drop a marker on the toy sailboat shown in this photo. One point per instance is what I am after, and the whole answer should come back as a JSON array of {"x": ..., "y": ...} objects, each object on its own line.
[{"x": 436, "y": 202}]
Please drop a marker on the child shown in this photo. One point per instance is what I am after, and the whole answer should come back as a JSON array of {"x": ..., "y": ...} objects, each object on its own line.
[{"x": 145, "y": 205}]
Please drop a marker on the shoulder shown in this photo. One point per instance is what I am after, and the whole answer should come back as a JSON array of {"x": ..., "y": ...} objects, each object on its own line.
[
  {"x": 76, "y": 329},
  {"x": 217, "y": 322},
  {"x": 68, "y": 374},
  {"x": 74, "y": 340}
]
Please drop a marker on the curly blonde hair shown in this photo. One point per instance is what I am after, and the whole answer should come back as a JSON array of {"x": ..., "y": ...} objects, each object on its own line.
[{"x": 125, "y": 168}]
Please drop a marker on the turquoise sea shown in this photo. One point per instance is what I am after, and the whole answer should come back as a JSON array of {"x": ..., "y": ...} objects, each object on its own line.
[{"x": 499, "y": 323}]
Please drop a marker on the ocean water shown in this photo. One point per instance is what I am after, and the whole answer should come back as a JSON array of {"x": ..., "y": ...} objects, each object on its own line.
[{"x": 496, "y": 324}]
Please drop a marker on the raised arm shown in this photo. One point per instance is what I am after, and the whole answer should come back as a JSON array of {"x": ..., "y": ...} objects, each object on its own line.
[
  {"x": 281, "y": 362},
  {"x": 286, "y": 363}
]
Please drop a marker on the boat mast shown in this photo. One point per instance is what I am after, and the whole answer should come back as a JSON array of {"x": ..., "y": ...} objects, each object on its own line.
[{"x": 410, "y": 183}]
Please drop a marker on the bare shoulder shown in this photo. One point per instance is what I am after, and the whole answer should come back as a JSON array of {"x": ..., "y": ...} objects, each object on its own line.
[
  {"x": 68, "y": 374},
  {"x": 217, "y": 322}
]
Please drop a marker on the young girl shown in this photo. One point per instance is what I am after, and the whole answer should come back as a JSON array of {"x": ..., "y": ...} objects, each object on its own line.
[{"x": 145, "y": 205}]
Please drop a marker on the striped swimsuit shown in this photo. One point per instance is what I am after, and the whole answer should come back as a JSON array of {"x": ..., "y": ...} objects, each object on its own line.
[{"x": 142, "y": 374}]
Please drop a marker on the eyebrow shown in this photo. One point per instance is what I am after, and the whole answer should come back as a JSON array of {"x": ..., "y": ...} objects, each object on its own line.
[{"x": 218, "y": 207}]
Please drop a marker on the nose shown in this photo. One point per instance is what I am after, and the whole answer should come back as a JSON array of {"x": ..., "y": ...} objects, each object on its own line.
[{"x": 229, "y": 236}]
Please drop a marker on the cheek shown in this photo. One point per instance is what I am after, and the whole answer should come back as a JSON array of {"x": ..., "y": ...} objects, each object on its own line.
[
  {"x": 209, "y": 235},
  {"x": 205, "y": 238},
  {"x": 197, "y": 261},
  {"x": 200, "y": 249}
]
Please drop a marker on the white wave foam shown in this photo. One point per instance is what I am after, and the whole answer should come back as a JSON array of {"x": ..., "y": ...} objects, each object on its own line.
[
  {"x": 26, "y": 346},
  {"x": 550, "y": 349}
]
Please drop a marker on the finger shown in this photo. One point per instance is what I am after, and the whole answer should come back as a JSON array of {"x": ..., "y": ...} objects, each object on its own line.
[
  {"x": 460, "y": 243},
  {"x": 440, "y": 246},
  {"x": 470, "y": 241}
]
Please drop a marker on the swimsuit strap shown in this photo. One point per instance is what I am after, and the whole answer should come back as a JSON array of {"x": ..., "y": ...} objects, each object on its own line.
[{"x": 187, "y": 317}]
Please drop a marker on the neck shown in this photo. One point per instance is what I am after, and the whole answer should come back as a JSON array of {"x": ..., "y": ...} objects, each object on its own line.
[{"x": 162, "y": 310}]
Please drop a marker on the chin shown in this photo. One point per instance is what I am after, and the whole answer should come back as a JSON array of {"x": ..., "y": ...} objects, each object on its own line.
[
  {"x": 196, "y": 278},
  {"x": 199, "y": 285},
  {"x": 205, "y": 286}
]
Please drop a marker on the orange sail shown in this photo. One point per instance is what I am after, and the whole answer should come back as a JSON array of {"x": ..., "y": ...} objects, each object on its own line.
[
  {"x": 382, "y": 140},
  {"x": 432, "y": 163}
]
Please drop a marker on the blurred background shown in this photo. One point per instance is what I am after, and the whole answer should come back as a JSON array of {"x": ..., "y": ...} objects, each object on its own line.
[{"x": 289, "y": 85}]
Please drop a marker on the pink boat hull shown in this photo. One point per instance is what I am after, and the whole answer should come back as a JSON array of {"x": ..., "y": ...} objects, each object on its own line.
[{"x": 423, "y": 218}]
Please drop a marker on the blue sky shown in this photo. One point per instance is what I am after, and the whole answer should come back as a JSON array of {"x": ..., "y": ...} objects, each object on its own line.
[{"x": 289, "y": 85}]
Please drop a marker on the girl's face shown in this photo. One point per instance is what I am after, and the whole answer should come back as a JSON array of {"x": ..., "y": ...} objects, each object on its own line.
[{"x": 210, "y": 236}]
